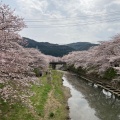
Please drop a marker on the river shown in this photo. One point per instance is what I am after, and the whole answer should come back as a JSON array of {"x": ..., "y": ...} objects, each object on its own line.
[{"x": 88, "y": 102}]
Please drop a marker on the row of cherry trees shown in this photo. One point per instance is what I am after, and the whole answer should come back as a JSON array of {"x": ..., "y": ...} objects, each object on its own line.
[
  {"x": 17, "y": 63},
  {"x": 97, "y": 59}
]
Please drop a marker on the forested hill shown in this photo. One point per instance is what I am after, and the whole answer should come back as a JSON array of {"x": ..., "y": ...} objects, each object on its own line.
[
  {"x": 81, "y": 45},
  {"x": 55, "y": 49},
  {"x": 48, "y": 48}
]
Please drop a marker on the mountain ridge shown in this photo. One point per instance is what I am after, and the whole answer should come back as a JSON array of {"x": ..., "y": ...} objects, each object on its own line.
[
  {"x": 56, "y": 49},
  {"x": 81, "y": 45}
]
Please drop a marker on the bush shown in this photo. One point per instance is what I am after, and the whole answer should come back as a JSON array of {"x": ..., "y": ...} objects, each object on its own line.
[
  {"x": 81, "y": 71},
  {"x": 110, "y": 73},
  {"x": 51, "y": 115},
  {"x": 71, "y": 68},
  {"x": 37, "y": 72}
]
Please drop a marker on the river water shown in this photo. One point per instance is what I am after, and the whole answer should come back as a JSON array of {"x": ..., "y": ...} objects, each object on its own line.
[{"x": 89, "y": 102}]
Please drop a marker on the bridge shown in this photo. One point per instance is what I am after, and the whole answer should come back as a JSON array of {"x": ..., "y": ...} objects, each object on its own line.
[{"x": 53, "y": 64}]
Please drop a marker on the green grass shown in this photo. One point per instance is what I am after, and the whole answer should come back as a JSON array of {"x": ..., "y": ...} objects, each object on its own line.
[
  {"x": 58, "y": 91},
  {"x": 61, "y": 112},
  {"x": 39, "y": 100},
  {"x": 41, "y": 96}
]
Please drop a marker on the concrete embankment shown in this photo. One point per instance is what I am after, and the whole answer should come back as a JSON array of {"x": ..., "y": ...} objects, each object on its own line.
[{"x": 103, "y": 85}]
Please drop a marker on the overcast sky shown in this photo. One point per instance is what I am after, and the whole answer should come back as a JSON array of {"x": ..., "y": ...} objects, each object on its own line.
[{"x": 67, "y": 21}]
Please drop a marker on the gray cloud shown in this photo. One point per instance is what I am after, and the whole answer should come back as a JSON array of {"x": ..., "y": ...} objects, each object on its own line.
[{"x": 65, "y": 21}]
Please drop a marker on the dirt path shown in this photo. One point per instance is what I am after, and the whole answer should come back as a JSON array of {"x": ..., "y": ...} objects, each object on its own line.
[{"x": 51, "y": 105}]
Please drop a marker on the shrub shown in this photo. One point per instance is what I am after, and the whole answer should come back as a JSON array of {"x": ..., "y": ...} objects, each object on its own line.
[
  {"x": 110, "y": 73},
  {"x": 51, "y": 115},
  {"x": 37, "y": 72}
]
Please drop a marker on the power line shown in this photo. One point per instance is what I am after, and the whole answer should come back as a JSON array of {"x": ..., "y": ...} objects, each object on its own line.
[
  {"x": 70, "y": 18},
  {"x": 85, "y": 22},
  {"x": 78, "y": 24}
]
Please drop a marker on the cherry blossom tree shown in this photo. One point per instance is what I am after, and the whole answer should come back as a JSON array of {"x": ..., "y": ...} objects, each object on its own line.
[
  {"x": 17, "y": 63},
  {"x": 10, "y": 24},
  {"x": 99, "y": 58}
]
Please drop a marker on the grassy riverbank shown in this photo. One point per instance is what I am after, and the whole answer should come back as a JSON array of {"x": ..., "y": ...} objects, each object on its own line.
[{"x": 48, "y": 102}]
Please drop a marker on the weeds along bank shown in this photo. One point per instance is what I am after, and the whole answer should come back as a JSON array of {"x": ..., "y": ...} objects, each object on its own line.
[{"x": 102, "y": 61}]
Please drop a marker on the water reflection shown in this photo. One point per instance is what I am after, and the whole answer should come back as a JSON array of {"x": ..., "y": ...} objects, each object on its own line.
[{"x": 89, "y": 103}]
